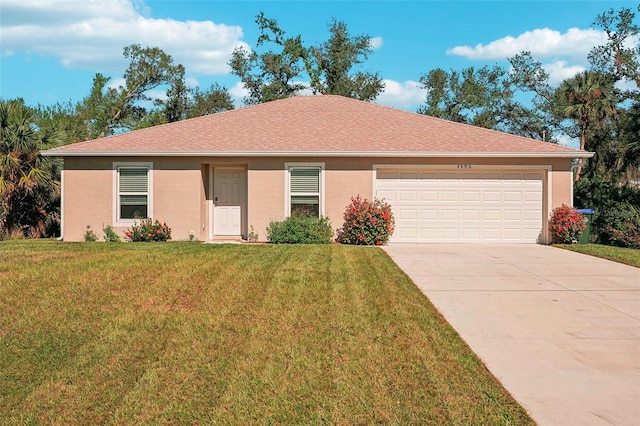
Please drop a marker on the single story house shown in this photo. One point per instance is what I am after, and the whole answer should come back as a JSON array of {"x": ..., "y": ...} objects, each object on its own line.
[{"x": 222, "y": 175}]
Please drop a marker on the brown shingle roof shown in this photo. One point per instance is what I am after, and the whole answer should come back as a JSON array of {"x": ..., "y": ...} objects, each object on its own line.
[{"x": 314, "y": 125}]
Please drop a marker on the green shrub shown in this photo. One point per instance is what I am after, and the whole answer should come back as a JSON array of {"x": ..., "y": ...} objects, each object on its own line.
[
  {"x": 566, "y": 225},
  {"x": 367, "y": 222},
  {"x": 89, "y": 235},
  {"x": 616, "y": 221},
  {"x": 300, "y": 229},
  {"x": 253, "y": 235},
  {"x": 148, "y": 231},
  {"x": 110, "y": 235}
]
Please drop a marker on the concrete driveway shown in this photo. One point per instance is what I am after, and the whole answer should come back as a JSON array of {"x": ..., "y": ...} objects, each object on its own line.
[{"x": 560, "y": 330}]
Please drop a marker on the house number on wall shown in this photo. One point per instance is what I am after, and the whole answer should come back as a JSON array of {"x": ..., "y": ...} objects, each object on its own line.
[{"x": 464, "y": 166}]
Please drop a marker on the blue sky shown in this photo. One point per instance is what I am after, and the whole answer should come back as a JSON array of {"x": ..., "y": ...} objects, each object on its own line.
[{"x": 51, "y": 49}]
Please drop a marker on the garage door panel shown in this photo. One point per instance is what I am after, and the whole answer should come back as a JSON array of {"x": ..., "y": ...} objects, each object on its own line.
[
  {"x": 513, "y": 196},
  {"x": 491, "y": 215},
  {"x": 408, "y": 175},
  {"x": 535, "y": 196},
  {"x": 494, "y": 196},
  {"x": 471, "y": 196},
  {"x": 429, "y": 234},
  {"x": 473, "y": 178},
  {"x": 406, "y": 213},
  {"x": 448, "y": 195},
  {"x": 511, "y": 177},
  {"x": 427, "y": 175},
  {"x": 448, "y": 176},
  {"x": 407, "y": 233},
  {"x": 471, "y": 234},
  {"x": 427, "y": 196},
  {"x": 408, "y": 196},
  {"x": 491, "y": 234},
  {"x": 471, "y": 215},
  {"x": 512, "y": 234},
  {"x": 450, "y": 234},
  {"x": 389, "y": 195},
  {"x": 382, "y": 175},
  {"x": 532, "y": 216},
  {"x": 428, "y": 214},
  {"x": 449, "y": 214},
  {"x": 437, "y": 206}
]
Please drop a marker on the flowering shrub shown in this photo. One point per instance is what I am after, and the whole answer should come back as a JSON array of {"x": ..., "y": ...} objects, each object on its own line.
[
  {"x": 366, "y": 222},
  {"x": 148, "y": 230},
  {"x": 566, "y": 224}
]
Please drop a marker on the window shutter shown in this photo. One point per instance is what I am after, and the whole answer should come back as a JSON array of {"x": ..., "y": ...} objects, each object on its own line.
[
  {"x": 133, "y": 180},
  {"x": 305, "y": 180},
  {"x": 133, "y": 200},
  {"x": 304, "y": 199}
]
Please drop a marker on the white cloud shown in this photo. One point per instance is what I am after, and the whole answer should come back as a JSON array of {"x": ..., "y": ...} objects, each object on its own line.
[
  {"x": 92, "y": 33},
  {"x": 568, "y": 141},
  {"x": 543, "y": 42},
  {"x": 375, "y": 42},
  {"x": 560, "y": 70},
  {"x": 406, "y": 95},
  {"x": 191, "y": 81},
  {"x": 115, "y": 83},
  {"x": 625, "y": 85},
  {"x": 157, "y": 94},
  {"x": 238, "y": 92}
]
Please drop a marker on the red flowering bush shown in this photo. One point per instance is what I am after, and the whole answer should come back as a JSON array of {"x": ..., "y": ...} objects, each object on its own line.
[
  {"x": 566, "y": 224},
  {"x": 147, "y": 231},
  {"x": 366, "y": 222}
]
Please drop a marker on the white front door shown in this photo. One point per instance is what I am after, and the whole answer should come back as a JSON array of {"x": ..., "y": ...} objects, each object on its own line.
[{"x": 227, "y": 201}]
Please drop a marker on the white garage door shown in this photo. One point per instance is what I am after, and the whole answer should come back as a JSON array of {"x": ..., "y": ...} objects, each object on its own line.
[{"x": 463, "y": 206}]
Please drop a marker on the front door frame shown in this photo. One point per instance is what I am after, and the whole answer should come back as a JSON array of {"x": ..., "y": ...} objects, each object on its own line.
[{"x": 212, "y": 195}]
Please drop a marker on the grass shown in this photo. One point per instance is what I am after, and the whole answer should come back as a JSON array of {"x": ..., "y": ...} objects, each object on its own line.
[
  {"x": 617, "y": 254},
  {"x": 185, "y": 333}
]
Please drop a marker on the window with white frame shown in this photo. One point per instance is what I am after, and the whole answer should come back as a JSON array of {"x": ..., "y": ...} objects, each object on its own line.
[
  {"x": 305, "y": 190},
  {"x": 133, "y": 191}
]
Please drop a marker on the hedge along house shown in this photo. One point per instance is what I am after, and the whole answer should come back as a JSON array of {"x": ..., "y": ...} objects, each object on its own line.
[{"x": 223, "y": 175}]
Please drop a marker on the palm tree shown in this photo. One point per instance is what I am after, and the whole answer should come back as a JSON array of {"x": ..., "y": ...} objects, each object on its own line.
[
  {"x": 589, "y": 99},
  {"x": 28, "y": 186},
  {"x": 631, "y": 146}
]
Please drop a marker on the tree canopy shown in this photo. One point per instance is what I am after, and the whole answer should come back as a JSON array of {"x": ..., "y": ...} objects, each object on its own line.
[
  {"x": 280, "y": 66},
  {"x": 29, "y": 183},
  {"x": 332, "y": 65}
]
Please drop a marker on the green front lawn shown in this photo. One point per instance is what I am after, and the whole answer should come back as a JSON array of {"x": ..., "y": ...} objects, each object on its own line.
[
  {"x": 185, "y": 333},
  {"x": 617, "y": 254}
]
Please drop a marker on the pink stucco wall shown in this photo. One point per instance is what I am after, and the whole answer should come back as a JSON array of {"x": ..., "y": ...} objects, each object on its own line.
[
  {"x": 88, "y": 195},
  {"x": 181, "y": 193}
]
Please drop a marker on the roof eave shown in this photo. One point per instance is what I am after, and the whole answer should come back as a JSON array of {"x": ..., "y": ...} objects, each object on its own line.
[{"x": 470, "y": 154}]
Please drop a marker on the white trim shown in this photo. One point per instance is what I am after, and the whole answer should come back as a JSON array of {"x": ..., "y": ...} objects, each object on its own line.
[
  {"x": 62, "y": 202},
  {"x": 391, "y": 154},
  {"x": 210, "y": 202},
  {"x": 545, "y": 222},
  {"x": 573, "y": 182},
  {"x": 116, "y": 191},
  {"x": 287, "y": 182}
]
